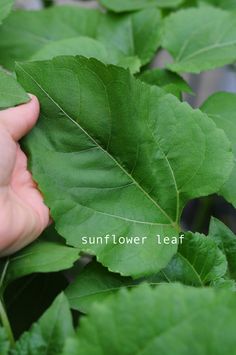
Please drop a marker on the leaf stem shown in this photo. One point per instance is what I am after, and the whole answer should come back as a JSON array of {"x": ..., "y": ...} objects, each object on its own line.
[{"x": 6, "y": 323}]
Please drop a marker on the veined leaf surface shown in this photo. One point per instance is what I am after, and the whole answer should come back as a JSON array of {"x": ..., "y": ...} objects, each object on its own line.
[{"x": 119, "y": 157}]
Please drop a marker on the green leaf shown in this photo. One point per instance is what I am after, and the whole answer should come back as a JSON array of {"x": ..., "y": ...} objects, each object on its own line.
[
  {"x": 5, "y": 8},
  {"x": 224, "y": 4},
  {"x": 87, "y": 47},
  {"x": 226, "y": 241},
  {"x": 132, "y": 5},
  {"x": 25, "y": 33},
  {"x": 41, "y": 256},
  {"x": 4, "y": 342},
  {"x": 198, "y": 262},
  {"x": 48, "y": 335},
  {"x": 11, "y": 93},
  {"x": 196, "y": 47},
  {"x": 221, "y": 107},
  {"x": 94, "y": 284},
  {"x": 170, "y": 82},
  {"x": 107, "y": 163},
  {"x": 168, "y": 319}
]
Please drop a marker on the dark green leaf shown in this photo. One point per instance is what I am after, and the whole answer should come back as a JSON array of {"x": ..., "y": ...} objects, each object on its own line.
[
  {"x": 131, "y": 5},
  {"x": 4, "y": 342},
  {"x": 198, "y": 262},
  {"x": 25, "y": 33},
  {"x": 170, "y": 82},
  {"x": 226, "y": 241},
  {"x": 48, "y": 335},
  {"x": 200, "y": 39},
  {"x": 168, "y": 319},
  {"x": 107, "y": 163},
  {"x": 94, "y": 284},
  {"x": 41, "y": 256},
  {"x": 11, "y": 93},
  {"x": 224, "y": 4},
  {"x": 221, "y": 107}
]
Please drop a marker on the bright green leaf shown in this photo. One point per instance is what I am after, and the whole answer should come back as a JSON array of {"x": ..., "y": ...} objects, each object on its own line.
[
  {"x": 221, "y": 107},
  {"x": 170, "y": 82},
  {"x": 224, "y": 4},
  {"x": 131, "y": 5},
  {"x": 94, "y": 284},
  {"x": 48, "y": 335},
  {"x": 5, "y": 8},
  {"x": 200, "y": 39},
  {"x": 198, "y": 262},
  {"x": 168, "y": 319},
  {"x": 88, "y": 47},
  {"x": 226, "y": 241},
  {"x": 107, "y": 163},
  {"x": 11, "y": 93},
  {"x": 25, "y": 33}
]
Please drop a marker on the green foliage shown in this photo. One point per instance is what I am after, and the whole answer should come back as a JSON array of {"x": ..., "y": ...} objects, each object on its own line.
[
  {"x": 48, "y": 31},
  {"x": 137, "y": 191},
  {"x": 5, "y": 8},
  {"x": 169, "y": 81},
  {"x": 11, "y": 93},
  {"x": 200, "y": 39},
  {"x": 221, "y": 107},
  {"x": 131, "y": 5},
  {"x": 48, "y": 335},
  {"x": 165, "y": 320},
  {"x": 117, "y": 157}
]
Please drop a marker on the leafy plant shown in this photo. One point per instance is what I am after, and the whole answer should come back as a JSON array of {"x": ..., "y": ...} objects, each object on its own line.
[{"x": 119, "y": 155}]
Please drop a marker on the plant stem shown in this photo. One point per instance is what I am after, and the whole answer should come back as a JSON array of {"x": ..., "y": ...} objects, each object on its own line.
[{"x": 6, "y": 323}]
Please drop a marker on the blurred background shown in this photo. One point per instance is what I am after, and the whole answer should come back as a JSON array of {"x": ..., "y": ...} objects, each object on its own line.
[{"x": 197, "y": 213}]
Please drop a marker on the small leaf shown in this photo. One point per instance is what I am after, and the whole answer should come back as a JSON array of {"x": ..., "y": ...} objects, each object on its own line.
[
  {"x": 25, "y": 33},
  {"x": 168, "y": 319},
  {"x": 48, "y": 335},
  {"x": 4, "y": 342},
  {"x": 5, "y": 8},
  {"x": 41, "y": 256},
  {"x": 221, "y": 107},
  {"x": 119, "y": 157},
  {"x": 196, "y": 47},
  {"x": 198, "y": 262},
  {"x": 226, "y": 241},
  {"x": 170, "y": 82},
  {"x": 132, "y": 5},
  {"x": 94, "y": 284},
  {"x": 11, "y": 93}
]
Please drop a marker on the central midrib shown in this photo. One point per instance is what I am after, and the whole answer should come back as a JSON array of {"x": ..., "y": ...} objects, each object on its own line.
[{"x": 174, "y": 224}]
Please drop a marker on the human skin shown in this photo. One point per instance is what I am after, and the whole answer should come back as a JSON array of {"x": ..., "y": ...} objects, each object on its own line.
[{"x": 23, "y": 214}]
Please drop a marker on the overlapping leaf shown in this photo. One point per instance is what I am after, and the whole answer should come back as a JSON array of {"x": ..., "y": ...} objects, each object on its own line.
[
  {"x": 167, "y": 80},
  {"x": 166, "y": 320},
  {"x": 25, "y": 33},
  {"x": 11, "y": 93},
  {"x": 48, "y": 335},
  {"x": 131, "y": 5},
  {"x": 200, "y": 39},
  {"x": 226, "y": 241},
  {"x": 221, "y": 107},
  {"x": 118, "y": 157}
]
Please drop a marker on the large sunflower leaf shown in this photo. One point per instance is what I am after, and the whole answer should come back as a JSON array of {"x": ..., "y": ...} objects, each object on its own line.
[
  {"x": 132, "y": 5},
  {"x": 114, "y": 156}
]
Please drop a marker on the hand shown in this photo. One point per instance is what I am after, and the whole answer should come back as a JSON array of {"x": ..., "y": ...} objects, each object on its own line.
[{"x": 23, "y": 214}]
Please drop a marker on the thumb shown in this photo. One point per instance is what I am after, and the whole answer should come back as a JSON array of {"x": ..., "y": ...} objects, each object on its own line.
[{"x": 19, "y": 120}]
